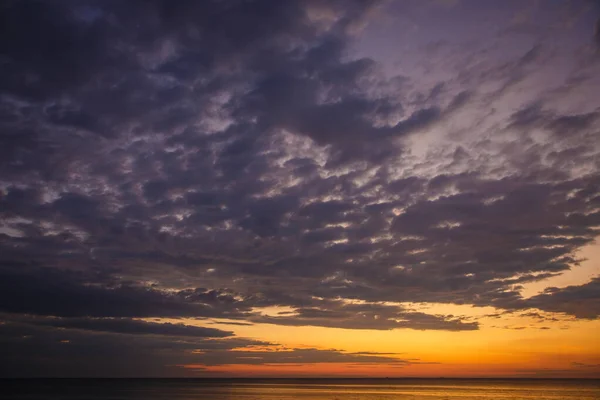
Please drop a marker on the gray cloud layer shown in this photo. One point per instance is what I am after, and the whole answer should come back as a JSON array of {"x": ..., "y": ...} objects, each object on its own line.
[{"x": 208, "y": 159}]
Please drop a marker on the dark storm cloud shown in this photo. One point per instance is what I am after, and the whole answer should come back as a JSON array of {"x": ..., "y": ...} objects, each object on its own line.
[{"x": 213, "y": 159}]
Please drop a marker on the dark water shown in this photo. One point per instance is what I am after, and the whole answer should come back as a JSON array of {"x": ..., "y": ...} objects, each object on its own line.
[{"x": 305, "y": 389}]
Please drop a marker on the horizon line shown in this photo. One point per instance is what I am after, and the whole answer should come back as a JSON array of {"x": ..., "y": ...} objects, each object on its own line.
[{"x": 303, "y": 378}]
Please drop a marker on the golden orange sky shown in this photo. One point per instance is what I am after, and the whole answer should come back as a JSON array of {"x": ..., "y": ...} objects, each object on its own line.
[{"x": 507, "y": 345}]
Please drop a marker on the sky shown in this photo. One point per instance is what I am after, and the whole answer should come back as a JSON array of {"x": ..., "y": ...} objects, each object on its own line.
[{"x": 300, "y": 188}]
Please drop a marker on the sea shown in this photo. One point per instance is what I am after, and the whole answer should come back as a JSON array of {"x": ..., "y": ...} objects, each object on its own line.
[{"x": 304, "y": 389}]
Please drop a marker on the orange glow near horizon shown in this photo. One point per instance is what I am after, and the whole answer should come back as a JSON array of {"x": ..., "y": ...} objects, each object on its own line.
[
  {"x": 516, "y": 344},
  {"x": 396, "y": 371},
  {"x": 568, "y": 349}
]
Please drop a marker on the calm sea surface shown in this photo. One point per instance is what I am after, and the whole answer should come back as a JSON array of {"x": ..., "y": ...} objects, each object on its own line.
[{"x": 305, "y": 389}]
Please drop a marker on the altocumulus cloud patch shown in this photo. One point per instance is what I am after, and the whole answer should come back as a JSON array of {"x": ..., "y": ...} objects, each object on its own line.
[{"x": 209, "y": 160}]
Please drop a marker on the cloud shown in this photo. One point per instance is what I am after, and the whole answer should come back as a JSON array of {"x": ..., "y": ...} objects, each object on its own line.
[
  {"x": 367, "y": 316},
  {"x": 214, "y": 159},
  {"x": 38, "y": 350},
  {"x": 127, "y": 326},
  {"x": 147, "y": 350},
  {"x": 580, "y": 301},
  {"x": 302, "y": 356},
  {"x": 597, "y": 33},
  {"x": 69, "y": 295}
]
